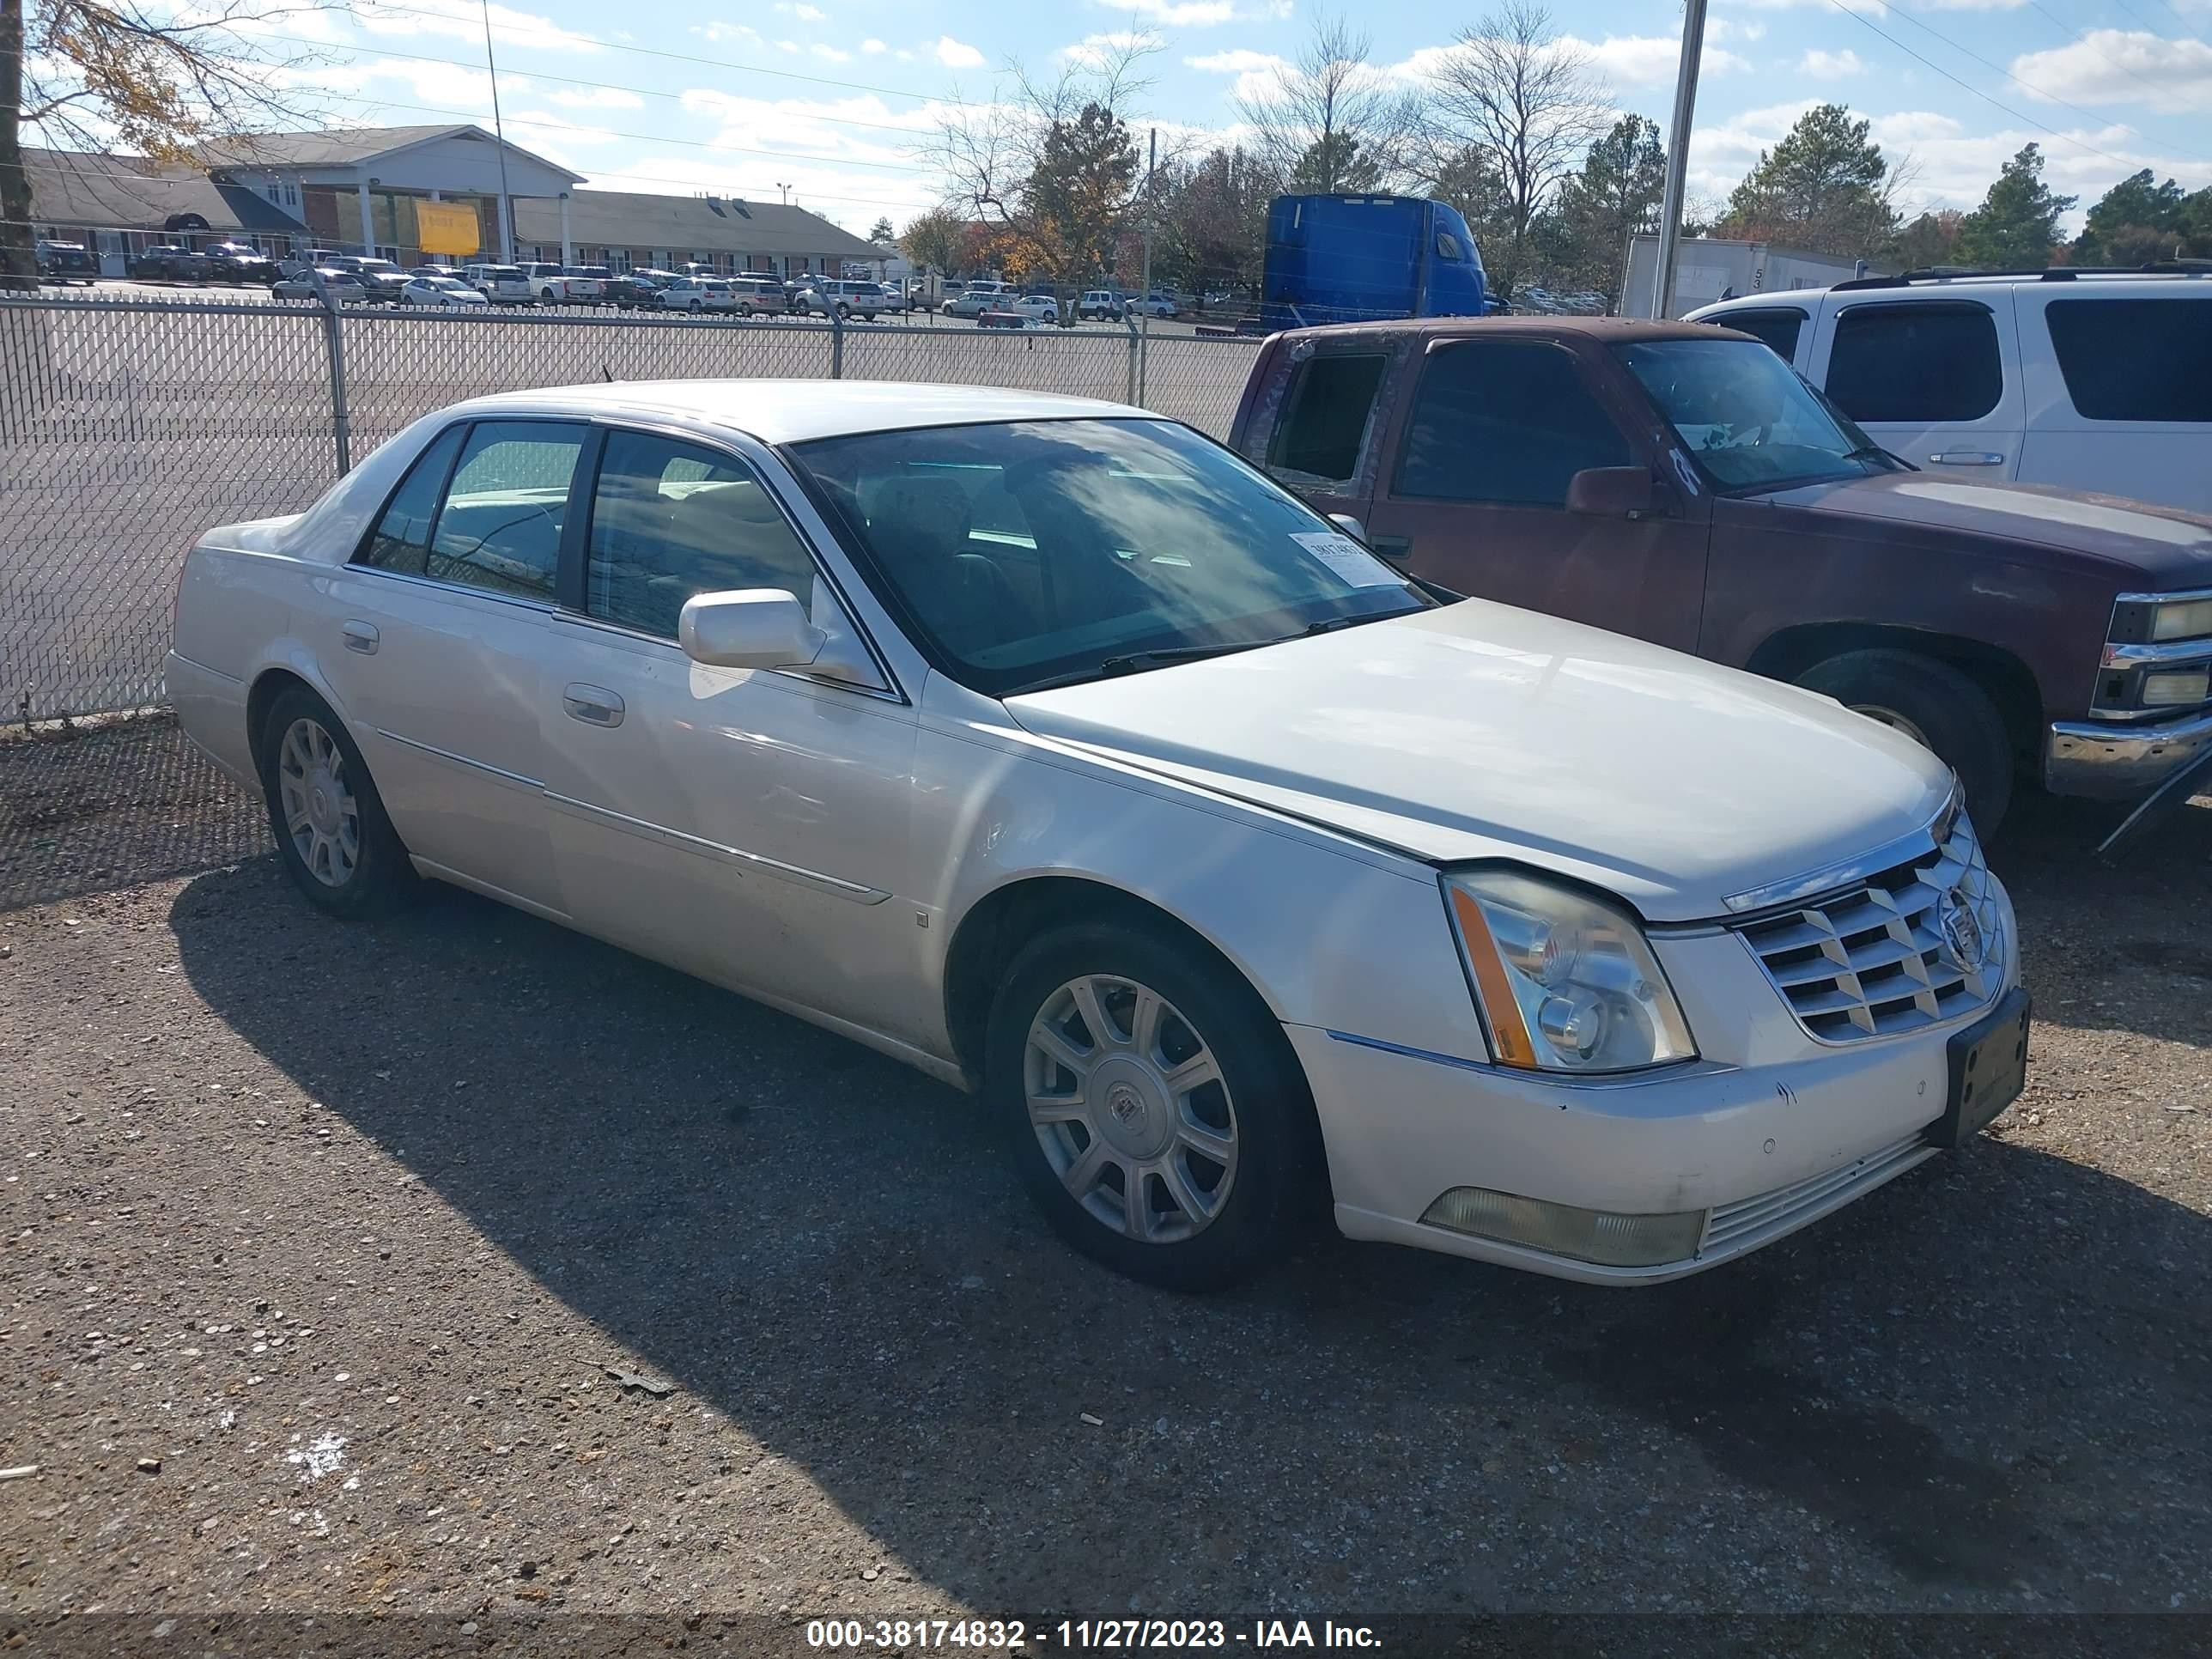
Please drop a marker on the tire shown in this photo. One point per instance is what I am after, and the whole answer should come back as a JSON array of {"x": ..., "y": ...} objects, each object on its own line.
[
  {"x": 1195, "y": 1236},
  {"x": 844, "y": 312},
  {"x": 745, "y": 311},
  {"x": 1934, "y": 703},
  {"x": 695, "y": 308},
  {"x": 311, "y": 771}
]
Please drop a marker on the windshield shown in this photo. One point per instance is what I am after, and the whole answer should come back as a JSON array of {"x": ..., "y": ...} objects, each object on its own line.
[
  {"x": 1746, "y": 418},
  {"x": 1039, "y": 551}
]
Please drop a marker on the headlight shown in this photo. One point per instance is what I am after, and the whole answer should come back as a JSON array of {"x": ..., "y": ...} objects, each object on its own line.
[
  {"x": 1566, "y": 981},
  {"x": 2187, "y": 619}
]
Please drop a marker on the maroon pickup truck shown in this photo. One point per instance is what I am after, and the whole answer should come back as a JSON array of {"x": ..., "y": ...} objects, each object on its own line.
[{"x": 1682, "y": 484}]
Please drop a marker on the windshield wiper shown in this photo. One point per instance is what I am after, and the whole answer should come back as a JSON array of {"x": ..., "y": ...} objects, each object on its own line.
[
  {"x": 1876, "y": 453},
  {"x": 1129, "y": 661}
]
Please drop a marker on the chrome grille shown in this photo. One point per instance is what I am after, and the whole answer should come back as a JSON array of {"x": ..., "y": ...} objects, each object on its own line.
[{"x": 1916, "y": 945}]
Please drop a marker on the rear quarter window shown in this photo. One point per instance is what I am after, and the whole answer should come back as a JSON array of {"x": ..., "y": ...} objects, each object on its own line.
[
  {"x": 2134, "y": 360},
  {"x": 1779, "y": 327},
  {"x": 1326, "y": 414}
]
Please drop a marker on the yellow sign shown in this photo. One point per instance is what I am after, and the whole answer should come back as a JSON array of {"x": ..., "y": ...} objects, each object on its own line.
[{"x": 444, "y": 228}]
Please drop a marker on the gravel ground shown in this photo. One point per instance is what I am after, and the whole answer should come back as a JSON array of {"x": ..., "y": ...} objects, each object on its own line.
[{"x": 335, "y": 1257}]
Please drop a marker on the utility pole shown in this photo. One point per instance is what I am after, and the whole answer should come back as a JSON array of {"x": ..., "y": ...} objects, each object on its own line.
[
  {"x": 1144, "y": 344},
  {"x": 1678, "y": 156},
  {"x": 499, "y": 132}
]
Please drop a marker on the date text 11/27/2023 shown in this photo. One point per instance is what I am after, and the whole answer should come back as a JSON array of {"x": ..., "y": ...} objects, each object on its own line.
[{"x": 1121, "y": 1635}]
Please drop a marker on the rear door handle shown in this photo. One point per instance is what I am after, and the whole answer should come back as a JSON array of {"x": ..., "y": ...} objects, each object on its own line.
[
  {"x": 1391, "y": 547},
  {"x": 1966, "y": 458},
  {"x": 360, "y": 637},
  {"x": 594, "y": 705}
]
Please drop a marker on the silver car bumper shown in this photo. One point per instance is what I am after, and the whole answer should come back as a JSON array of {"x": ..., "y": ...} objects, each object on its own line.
[{"x": 2117, "y": 760}]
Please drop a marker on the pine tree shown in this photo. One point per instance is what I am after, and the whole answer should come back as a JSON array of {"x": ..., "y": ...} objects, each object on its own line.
[
  {"x": 1825, "y": 188},
  {"x": 2016, "y": 226}
]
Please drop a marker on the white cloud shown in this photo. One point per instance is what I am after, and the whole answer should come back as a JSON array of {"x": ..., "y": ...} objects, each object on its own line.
[
  {"x": 430, "y": 85},
  {"x": 803, "y": 12},
  {"x": 1831, "y": 65},
  {"x": 1718, "y": 29},
  {"x": 1257, "y": 73},
  {"x": 830, "y": 54},
  {"x": 1651, "y": 60},
  {"x": 463, "y": 19},
  {"x": 720, "y": 31},
  {"x": 1199, "y": 14},
  {"x": 1971, "y": 5},
  {"x": 787, "y": 45},
  {"x": 872, "y": 46},
  {"x": 956, "y": 54},
  {"x": 2115, "y": 66},
  {"x": 1095, "y": 51},
  {"x": 595, "y": 98}
]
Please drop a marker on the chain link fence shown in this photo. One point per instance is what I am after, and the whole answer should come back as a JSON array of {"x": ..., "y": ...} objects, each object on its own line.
[{"x": 129, "y": 427}]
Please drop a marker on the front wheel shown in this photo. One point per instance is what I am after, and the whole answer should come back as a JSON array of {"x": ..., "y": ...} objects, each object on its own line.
[
  {"x": 1154, "y": 1109},
  {"x": 1938, "y": 708},
  {"x": 331, "y": 827}
]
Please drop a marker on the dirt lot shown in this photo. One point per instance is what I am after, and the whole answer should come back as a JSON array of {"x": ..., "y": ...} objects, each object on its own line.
[{"x": 350, "y": 1230}]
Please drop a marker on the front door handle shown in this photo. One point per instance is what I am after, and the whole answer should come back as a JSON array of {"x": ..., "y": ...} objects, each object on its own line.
[
  {"x": 360, "y": 637},
  {"x": 1966, "y": 458},
  {"x": 1391, "y": 547},
  {"x": 594, "y": 705}
]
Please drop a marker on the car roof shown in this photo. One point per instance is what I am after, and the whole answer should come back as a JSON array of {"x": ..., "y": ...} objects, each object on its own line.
[
  {"x": 793, "y": 411},
  {"x": 1603, "y": 328},
  {"x": 2072, "y": 283}
]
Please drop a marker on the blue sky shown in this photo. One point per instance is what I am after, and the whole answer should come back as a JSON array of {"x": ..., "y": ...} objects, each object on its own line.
[{"x": 834, "y": 98}]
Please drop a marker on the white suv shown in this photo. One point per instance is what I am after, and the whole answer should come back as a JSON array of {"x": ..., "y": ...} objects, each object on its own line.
[
  {"x": 2097, "y": 382},
  {"x": 846, "y": 299}
]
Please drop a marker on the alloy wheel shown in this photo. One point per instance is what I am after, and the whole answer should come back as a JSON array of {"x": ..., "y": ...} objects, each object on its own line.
[
  {"x": 320, "y": 813},
  {"x": 1131, "y": 1108}
]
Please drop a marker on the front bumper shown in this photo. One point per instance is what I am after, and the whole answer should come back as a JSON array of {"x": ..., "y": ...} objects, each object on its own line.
[
  {"x": 1784, "y": 1130},
  {"x": 2117, "y": 760}
]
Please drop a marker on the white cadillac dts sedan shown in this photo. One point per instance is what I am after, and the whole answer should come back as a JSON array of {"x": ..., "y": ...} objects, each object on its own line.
[{"x": 1046, "y": 746}]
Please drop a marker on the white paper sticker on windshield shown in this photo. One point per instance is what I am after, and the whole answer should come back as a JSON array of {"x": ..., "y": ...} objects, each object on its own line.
[{"x": 1348, "y": 559}]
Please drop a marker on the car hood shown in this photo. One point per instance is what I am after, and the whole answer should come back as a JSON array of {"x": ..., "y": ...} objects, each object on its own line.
[
  {"x": 1478, "y": 731},
  {"x": 2167, "y": 546}
]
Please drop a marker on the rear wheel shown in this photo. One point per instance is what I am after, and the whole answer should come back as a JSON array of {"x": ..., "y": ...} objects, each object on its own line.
[
  {"x": 1938, "y": 708},
  {"x": 329, "y": 822},
  {"x": 1152, "y": 1105}
]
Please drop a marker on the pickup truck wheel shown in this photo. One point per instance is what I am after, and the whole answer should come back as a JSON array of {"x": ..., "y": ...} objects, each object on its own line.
[
  {"x": 1156, "y": 1115},
  {"x": 330, "y": 824},
  {"x": 1938, "y": 707}
]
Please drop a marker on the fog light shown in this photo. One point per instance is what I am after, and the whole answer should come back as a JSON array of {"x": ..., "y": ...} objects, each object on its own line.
[
  {"x": 2176, "y": 686},
  {"x": 1600, "y": 1235}
]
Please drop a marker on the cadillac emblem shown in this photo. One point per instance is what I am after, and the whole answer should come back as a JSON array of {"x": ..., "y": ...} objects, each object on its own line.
[{"x": 1962, "y": 935}]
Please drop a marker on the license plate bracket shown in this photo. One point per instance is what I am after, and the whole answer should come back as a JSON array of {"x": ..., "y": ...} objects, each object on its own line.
[{"x": 1988, "y": 1064}]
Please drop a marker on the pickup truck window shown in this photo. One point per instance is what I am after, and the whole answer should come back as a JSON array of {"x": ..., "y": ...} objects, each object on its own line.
[
  {"x": 2134, "y": 360},
  {"x": 1325, "y": 418},
  {"x": 1779, "y": 328},
  {"x": 500, "y": 527},
  {"x": 1746, "y": 418},
  {"x": 670, "y": 520},
  {"x": 1504, "y": 420},
  {"x": 1915, "y": 362}
]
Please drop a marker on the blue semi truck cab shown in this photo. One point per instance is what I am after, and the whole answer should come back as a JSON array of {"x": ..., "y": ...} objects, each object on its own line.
[{"x": 1353, "y": 259}]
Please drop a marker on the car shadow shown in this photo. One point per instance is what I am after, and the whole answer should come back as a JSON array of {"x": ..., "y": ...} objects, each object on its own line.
[{"x": 1951, "y": 1386}]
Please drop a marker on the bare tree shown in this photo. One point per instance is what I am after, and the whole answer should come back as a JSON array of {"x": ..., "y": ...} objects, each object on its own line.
[
  {"x": 1330, "y": 120},
  {"x": 1509, "y": 86},
  {"x": 1050, "y": 168},
  {"x": 105, "y": 75}
]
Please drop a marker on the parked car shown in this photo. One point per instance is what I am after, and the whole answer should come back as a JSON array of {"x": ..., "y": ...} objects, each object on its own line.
[
  {"x": 380, "y": 280},
  {"x": 1678, "y": 483},
  {"x": 2085, "y": 379},
  {"x": 63, "y": 263},
  {"x": 343, "y": 286},
  {"x": 556, "y": 285},
  {"x": 1025, "y": 311},
  {"x": 1102, "y": 303},
  {"x": 1159, "y": 303},
  {"x": 503, "y": 285},
  {"x": 975, "y": 302},
  {"x": 757, "y": 296},
  {"x": 635, "y": 288},
  {"x": 454, "y": 271},
  {"x": 240, "y": 263},
  {"x": 168, "y": 263},
  {"x": 955, "y": 719},
  {"x": 844, "y": 297},
  {"x": 695, "y": 295},
  {"x": 441, "y": 293}
]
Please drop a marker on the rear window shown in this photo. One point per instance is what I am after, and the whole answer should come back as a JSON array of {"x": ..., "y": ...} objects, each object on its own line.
[
  {"x": 2136, "y": 359},
  {"x": 1325, "y": 419},
  {"x": 1915, "y": 362},
  {"x": 1779, "y": 328}
]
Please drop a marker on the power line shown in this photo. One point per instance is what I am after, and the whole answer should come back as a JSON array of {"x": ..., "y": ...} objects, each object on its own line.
[{"x": 2065, "y": 137}]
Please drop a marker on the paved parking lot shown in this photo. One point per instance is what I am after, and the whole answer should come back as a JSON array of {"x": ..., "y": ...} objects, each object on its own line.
[{"x": 357, "y": 1232}]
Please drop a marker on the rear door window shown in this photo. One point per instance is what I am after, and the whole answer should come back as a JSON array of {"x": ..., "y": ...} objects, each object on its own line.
[
  {"x": 500, "y": 528},
  {"x": 1916, "y": 363},
  {"x": 1779, "y": 328},
  {"x": 1504, "y": 420},
  {"x": 1326, "y": 418},
  {"x": 401, "y": 540},
  {"x": 2134, "y": 360}
]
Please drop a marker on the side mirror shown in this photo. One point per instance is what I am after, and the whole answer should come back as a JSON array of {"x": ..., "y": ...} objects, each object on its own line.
[
  {"x": 1350, "y": 525},
  {"x": 1613, "y": 492},
  {"x": 749, "y": 627}
]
